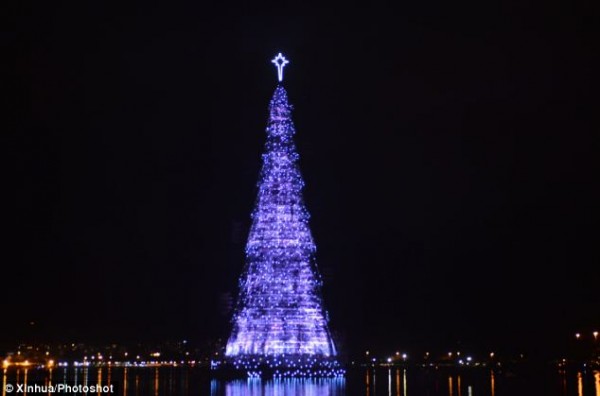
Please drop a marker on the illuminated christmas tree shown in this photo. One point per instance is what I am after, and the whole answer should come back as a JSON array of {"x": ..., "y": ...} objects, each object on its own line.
[{"x": 279, "y": 324}]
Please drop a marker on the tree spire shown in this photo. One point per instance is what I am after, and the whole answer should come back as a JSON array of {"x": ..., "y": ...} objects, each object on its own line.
[{"x": 279, "y": 61}]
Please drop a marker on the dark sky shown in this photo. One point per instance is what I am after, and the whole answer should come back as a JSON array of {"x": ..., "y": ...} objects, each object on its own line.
[{"x": 447, "y": 150}]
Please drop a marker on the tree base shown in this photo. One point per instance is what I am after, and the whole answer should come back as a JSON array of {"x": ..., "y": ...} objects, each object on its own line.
[{"x": 278, "y": 367}]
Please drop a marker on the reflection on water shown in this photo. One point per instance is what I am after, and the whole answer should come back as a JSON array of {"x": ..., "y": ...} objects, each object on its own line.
[
  {"x": 156, "y": 381},
  {"x": 280, "y": 387},
  {"x": 396, "y": 384},
  {"x": 451, "y": 379},
  {"x": 170, "y": 381},
  {"x": 4, "y": 383},
  {"x": 125, "y": 381}
]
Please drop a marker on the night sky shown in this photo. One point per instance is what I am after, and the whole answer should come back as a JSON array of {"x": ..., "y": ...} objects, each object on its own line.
[{"x": 446, "y": 147}]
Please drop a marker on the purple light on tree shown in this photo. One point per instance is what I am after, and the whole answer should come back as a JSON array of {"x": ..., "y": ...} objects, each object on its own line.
[{"x": 280, "y": 312}]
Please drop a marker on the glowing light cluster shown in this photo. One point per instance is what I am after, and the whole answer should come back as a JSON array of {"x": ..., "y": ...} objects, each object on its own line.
[
  {"x": 287, "y": 367},
  {"x": 280, "y": 321},
  {"x": 279, "y": 61}
]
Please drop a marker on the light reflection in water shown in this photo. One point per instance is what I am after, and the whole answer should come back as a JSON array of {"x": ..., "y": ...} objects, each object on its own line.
[
  {"x": 137, "y": 384},
  {"x": 99, "y": 379},
  {"x": 156, "y": 381},
  {"x": 125, "y": 381},
  {"x": 187, "y": 382},
  {"x": 85, "y": 376},
  {"x": 374, "y": 383},
  {"x": 4, "y": 383},
  {"x": 283, "y": 387},
  {"x": 397, "y": 384},
  {"x": 25, "y": 381}
]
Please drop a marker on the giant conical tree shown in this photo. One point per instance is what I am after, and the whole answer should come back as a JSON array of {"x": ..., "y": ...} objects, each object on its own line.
[{"x": 280, "y": 316}]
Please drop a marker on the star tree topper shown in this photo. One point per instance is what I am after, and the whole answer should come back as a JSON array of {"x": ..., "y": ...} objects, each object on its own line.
[{"x": 280, "y": 62}]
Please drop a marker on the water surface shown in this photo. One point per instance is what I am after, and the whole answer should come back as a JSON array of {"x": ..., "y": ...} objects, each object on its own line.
[{"x": 182, "y": 381}]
